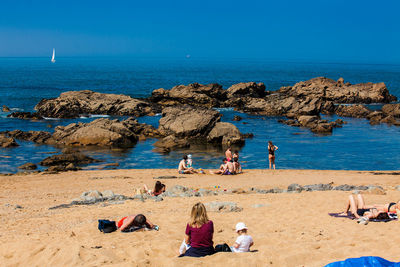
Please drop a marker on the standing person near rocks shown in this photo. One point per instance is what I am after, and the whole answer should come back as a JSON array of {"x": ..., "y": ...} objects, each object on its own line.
[
  {"x": 228, "y": 154},
  {"x": 199, "y": 233},
  {"x": 183, "y": 168},
  {"x": 271, "y": 154}
]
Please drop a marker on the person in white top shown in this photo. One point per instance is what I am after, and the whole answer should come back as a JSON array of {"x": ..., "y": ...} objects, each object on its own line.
[
  {"x": 244, "y": 241},
  {"x": 189, "y": 161}
]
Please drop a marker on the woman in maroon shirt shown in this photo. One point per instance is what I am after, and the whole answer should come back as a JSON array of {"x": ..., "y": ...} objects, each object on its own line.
[{"x": 199, "y": 233}]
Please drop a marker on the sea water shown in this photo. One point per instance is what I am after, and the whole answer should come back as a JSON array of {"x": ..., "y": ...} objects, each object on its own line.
[{"x": 355, "y": 146}]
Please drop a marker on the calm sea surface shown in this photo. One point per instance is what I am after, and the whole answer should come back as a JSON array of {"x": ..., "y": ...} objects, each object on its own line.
[{"x": 356, "y": 146}]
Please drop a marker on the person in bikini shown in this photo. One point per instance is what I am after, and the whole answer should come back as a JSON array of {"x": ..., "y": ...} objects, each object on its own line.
[
  {"x": 365, "y": 212},
  {"x": 271, "y": 154},
  {"x": 159, "y": 188},
  {"x": 183, "y": 169},
  {"x": 228, "y": 154}
]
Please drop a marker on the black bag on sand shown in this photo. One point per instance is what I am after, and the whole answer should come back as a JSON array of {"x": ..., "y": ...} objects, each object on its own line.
[
  {"x": 107, "y": 226},
  {"x": 222, "y": 248}
]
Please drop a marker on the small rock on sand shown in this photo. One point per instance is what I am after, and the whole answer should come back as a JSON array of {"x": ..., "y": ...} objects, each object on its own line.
[{"x": 217, "y": 206}]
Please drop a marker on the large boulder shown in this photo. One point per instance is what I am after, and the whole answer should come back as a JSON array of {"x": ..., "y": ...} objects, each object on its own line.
[
  {"x": 355, "y": 111},
  {"x": 74, "y": 103},
  {"x": 225, "y": 133},
  {"x": 102, "y": 132},
  {"x": 193, "y": 94},
  {"x": 340, "y": 92},
  {"x": 251, "y": 89},
  {"x": 187, "y": 121},
  {"x": 6, "y": 142}
]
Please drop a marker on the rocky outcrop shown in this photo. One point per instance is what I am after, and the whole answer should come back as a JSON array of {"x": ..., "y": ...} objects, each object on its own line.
[
  {"x": 193, "y": 94},
  {"x": 5, "y": 108},
  {"x": 6, "y": 142},
  {"x": 226, "y": 134},
  {"x": 355, "y": 111},
  {"x": 28, "y": 166},
  {"x": 392, "y": 110},
  {"x": 74, "y": 103},
  {"x": 187, "y": 122},
  {"x": 250, "y": 89},
  {"x": 39, "y": 137},
  {"x": 67, "y": 159},
  {"x": 169, "y": 143},
  {"x": 339, "y": 91},
  {"x": 103, "y": 132},
  {"x": 280, "y": 105},
  {"x": 25, "y": 115},
  {"x": 314, "y": 123}
]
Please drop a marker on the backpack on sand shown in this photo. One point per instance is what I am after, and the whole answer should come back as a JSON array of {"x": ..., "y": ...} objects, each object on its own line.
[{"x": 107, "y": 226}]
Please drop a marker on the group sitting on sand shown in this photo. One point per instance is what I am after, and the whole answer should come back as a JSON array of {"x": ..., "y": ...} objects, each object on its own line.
[
  {"x": 230, "y": 164},
  {"x": 199, "y": 233}
]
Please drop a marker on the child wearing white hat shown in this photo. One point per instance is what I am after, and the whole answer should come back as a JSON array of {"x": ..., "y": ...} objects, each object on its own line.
[
  {"x": 244, "y": 241},
  {"x": 189, "y": 162}
]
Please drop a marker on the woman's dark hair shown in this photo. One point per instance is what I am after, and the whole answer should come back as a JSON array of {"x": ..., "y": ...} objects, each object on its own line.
[
  {"x": 139, "y": 220},
  {"x": 270, "y": 143},
  {"x": 235, "y": 159},
  {"x": 185, "y": 157},
  {"x": 224, "y": 159},
  {"x": 236, "y": 152},
  {"x": 158, "y": 187}
]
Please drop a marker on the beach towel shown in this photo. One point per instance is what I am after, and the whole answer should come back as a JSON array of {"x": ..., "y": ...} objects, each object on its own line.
[
  {"x": 368, "y": 261},
  {"x": 391, "y": 217},
  {"x": 136, "y": 228}
]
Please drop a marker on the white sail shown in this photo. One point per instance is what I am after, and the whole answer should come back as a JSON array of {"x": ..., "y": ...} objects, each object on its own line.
[{"x": 53, "y": 58}]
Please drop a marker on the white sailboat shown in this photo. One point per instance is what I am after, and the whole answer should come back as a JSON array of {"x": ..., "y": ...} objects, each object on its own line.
[{"x": 53, "y": 58}]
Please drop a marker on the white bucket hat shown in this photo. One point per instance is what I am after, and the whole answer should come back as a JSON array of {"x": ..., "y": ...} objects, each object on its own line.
[
  {"x": 189, "y": 156},
  {"x": 240, "y": 226}
]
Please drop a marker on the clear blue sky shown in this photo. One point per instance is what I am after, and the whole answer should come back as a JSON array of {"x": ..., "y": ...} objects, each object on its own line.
[{"x": 339, "y": 30}]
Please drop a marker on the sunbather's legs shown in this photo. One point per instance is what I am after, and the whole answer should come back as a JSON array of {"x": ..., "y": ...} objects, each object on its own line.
[
  {"x": 361, "y": 202},
  {"x": 352, "y": 205}
]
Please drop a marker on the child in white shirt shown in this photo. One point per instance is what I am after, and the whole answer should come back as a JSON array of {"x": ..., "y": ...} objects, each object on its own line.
[
  {"x": 244, "y": 241},
  {"x": 189, "y": 162}
]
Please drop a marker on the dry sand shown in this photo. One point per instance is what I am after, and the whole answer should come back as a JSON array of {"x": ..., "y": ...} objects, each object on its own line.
[{"x": 289, "y": 230}]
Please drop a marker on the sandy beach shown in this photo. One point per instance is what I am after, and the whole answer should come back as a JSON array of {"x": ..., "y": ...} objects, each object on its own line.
[{"x": 289, "y": 229}]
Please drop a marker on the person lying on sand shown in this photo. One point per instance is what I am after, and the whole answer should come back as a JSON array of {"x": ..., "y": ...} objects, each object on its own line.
[
  {"x": 183, "y": 169},
  {"x": 159, "y": 188},
  {"x": 138, "y": 220},
  {"x": 227, "y": 168},
  {"x": 366, "y": 212}
]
